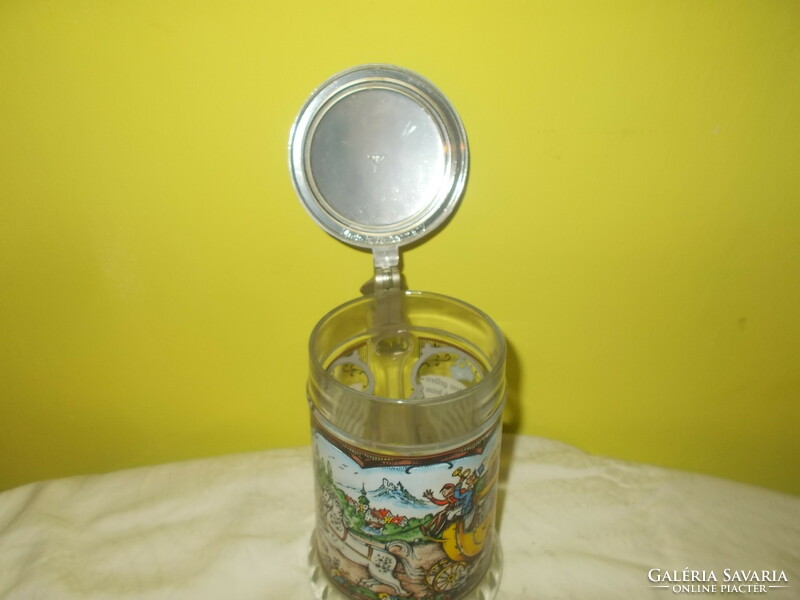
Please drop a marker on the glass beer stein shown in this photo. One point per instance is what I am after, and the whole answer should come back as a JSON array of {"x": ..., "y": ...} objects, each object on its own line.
[{"x": 406, "y": 389}]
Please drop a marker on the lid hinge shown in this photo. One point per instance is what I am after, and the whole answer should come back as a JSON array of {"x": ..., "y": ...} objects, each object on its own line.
[
  {"x": 386, "y": 285},
  {"x": 387, "y": 280},
  {"x": 387, "y": 276}
]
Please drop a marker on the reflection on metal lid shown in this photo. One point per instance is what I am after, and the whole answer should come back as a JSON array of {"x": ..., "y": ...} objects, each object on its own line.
[{"x": 378, "y": 156}]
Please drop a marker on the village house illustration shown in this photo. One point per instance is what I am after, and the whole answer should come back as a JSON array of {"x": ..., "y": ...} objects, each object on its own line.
[{"x": 377, "y": 518}]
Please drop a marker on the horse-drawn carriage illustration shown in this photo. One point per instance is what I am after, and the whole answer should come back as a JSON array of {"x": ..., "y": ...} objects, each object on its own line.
[
  {"x": 463, "y": 542},
  {"x": 427, "y": 559}
]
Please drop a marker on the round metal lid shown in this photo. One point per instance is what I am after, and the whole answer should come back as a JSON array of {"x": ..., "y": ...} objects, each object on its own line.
[{"x": 378, "y": 156}]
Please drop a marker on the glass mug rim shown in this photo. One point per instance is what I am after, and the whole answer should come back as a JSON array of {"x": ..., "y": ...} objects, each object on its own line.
[{"x": 495, "y": 371}]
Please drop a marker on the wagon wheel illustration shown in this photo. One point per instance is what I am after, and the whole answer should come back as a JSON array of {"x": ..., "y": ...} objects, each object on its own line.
[{"x": 447, "y": 575}]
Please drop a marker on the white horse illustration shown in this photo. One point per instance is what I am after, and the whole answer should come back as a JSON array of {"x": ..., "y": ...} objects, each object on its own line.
[{"x": 380, "y": 560}]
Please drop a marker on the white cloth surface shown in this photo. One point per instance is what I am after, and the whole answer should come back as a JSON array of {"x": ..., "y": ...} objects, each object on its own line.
[{"x": 237, "y": 527}]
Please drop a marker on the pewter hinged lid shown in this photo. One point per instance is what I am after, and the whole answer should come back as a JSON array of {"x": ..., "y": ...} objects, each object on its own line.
[{"x": 378, "y": 157}]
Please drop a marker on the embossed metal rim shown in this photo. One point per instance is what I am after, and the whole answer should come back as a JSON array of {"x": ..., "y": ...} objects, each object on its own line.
[{"x": 450, "y": 186}]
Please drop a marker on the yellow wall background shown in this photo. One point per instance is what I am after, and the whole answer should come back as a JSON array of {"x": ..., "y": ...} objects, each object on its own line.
[{"x": 632, "y": 221}]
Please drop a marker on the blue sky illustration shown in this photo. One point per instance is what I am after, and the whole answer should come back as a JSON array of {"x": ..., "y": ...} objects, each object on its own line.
[{"x": 349, "y": 477}]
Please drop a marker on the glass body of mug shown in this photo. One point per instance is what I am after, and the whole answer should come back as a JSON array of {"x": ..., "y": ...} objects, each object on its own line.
[{"x": 406, "y": 392}]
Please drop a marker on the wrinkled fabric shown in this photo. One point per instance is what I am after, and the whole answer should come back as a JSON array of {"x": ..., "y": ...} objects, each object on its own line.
[{"x": 237, "y": 527}]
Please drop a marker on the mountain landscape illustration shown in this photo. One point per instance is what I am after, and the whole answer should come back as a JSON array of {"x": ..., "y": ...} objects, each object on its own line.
[{"x": 397, "y": 493}]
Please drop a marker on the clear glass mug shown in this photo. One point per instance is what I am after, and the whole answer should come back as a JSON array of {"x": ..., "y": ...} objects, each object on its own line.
[{"x": 406, "y": 392}]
